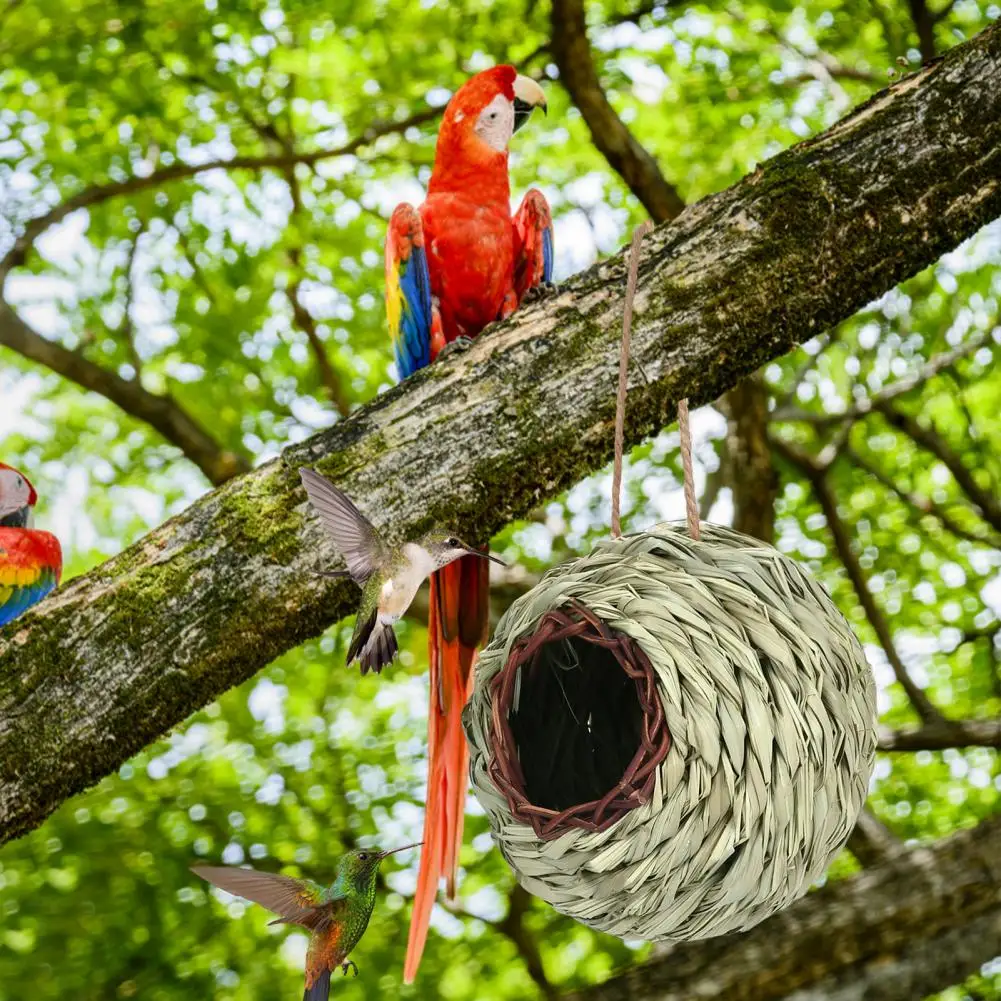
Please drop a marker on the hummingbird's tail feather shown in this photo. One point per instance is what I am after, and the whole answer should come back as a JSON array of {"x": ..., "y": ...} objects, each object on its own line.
[
  {"x": 458, "y": 623},
  {"x": 373, "y": 644},
  {"x": 380, "y": 649},
  {"x": 320, "y": 990}
]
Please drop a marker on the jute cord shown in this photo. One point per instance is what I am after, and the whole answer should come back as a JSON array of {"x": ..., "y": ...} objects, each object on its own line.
[{"x": 691, "y": 505}]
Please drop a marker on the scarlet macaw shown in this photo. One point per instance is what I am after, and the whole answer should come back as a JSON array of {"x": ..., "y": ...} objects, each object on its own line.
[
  {"x": 453, "y": 266},
  {"x": 30, "y": 560}
]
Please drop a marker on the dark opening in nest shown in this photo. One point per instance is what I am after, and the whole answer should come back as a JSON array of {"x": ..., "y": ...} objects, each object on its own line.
[{"x": 581, "y": 746}]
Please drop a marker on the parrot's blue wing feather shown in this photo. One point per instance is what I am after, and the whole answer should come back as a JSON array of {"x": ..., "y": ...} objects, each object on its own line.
[
  {"x": 547, "y": 253},
  {"x": 408, "y": 291}
]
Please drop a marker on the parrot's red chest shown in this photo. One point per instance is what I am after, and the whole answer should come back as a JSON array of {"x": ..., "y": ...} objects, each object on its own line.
[{"x": 470, "y": 249}]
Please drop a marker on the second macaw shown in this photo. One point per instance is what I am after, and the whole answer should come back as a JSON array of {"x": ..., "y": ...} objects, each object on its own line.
[
  {"x": 30, "y": 560},
  {"x": 453, "y": 266}
]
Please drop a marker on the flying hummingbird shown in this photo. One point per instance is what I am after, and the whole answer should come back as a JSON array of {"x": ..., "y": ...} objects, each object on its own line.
[
  {"x": 336, "y": 915},
  {"x": 389, "y": 577}
]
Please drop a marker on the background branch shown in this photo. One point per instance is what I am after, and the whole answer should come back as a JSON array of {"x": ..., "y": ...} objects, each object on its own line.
[
  {"x": 96, "y": 195},
  {"x": 627, "y": 157},
  {"x": 887, "y": 933},
  {"x": 984, "y": 499},
  {"x": 816, "y": 474},
  {"x": 162, "y": 413}
]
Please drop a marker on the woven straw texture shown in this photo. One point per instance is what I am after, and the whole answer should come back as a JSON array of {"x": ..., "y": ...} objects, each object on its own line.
[{"x": 771, "y": 711}]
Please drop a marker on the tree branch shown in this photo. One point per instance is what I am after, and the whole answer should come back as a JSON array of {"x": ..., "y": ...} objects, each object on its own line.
[
  {"x": 872, "y": 841},
  {"x": 162, "y": 413},
  {"x": 817, "y": 475},
  {"x": 97, "y": 194},
  {"x": 512, "y": 926},
  {"x": 922, "y": 505},
  {"x": 941, "y": 734},
  {"x": 329, "y": 377},
  {"x": 924, "y": 25},
  {"x": 899, "y": 387},
  {"x": 883, "y": 928},
  {"x": 984, "y": 500},
  {"x": 638, "y": 169},
  {"x": 119, "y": 655},
  {"x": 751, "y": 474}
]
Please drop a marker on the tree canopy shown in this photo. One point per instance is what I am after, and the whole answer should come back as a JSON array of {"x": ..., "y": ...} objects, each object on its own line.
[{"x": 193, "y": 200}]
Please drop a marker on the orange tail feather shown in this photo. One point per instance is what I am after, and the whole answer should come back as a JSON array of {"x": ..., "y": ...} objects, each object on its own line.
[{"x": 458, "y": 623}]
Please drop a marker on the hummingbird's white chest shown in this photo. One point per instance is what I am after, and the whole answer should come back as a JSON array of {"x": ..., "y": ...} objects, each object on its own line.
[{"x": 398, "y": 590}]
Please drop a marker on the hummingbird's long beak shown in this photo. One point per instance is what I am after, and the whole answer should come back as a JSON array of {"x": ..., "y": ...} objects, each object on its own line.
[
  {"x": 393, "y": 851},
  {"x": 486, "y": 556}
]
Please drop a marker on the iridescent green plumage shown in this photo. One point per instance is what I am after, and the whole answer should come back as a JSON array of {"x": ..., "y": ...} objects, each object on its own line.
[{"x": 337, "y": 915}]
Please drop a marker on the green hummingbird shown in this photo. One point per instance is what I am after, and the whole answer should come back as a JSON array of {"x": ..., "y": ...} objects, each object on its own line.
[
  {"x": 336, "y": 915},
  {"x": 389, "y": 578}
]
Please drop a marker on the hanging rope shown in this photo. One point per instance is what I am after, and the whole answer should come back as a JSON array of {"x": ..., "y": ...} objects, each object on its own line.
[
  {"x": 691, "y": 506},
  {"x": 620, "y": 402}
]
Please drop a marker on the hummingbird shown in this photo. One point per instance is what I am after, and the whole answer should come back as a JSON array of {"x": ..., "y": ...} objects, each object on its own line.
[
  {"x": 336, "y": 915},
  {"x": 389, "y": 578}
]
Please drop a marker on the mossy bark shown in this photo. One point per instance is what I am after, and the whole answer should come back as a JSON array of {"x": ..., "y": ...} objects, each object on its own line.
[{"x": 120, "y": 655}]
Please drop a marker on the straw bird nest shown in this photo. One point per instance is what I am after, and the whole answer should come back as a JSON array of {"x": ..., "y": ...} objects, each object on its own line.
[{"x": 672, "y": 738}]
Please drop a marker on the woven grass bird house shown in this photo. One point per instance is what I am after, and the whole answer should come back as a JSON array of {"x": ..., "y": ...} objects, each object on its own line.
[{"x": 672, "y": 738}]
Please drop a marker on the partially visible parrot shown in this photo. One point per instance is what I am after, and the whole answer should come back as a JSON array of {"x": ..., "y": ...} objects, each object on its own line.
[
  {"x": 30, "y": 560},
  {"x": 453, "y": 266}
]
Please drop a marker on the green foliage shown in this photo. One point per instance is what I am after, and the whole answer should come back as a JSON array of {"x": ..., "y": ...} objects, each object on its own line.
[{"x": 187, "y": 288}]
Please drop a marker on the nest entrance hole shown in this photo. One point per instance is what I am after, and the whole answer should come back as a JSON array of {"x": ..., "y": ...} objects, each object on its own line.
[{"x": 578, "y": 727}]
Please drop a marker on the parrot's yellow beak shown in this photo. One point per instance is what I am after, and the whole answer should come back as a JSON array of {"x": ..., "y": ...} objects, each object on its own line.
[{"x": 528, "y": 96}]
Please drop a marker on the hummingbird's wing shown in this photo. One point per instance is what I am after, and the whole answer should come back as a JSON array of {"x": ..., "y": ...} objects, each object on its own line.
[
  {"x": 354, "y": 534},
  {"x": 294, "y": 900}
]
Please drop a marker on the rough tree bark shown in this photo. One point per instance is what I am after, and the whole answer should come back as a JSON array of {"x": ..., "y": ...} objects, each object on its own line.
[
  {"x": 904, "y": 929},
  {"x": 119, "y": 655}
]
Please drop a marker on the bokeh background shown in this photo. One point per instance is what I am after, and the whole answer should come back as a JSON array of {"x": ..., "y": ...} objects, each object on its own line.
[{"x": 251, "y": 298}]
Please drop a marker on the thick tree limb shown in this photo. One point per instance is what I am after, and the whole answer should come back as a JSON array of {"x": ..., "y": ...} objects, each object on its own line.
[
  {"x": 118, "y": 656},
  {"x": 891, "y": 932},
  {"x": 748, "y": 470},
  {"x": 161, "y": 412}
]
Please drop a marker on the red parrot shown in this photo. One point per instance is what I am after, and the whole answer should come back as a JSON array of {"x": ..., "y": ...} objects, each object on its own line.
[
  {"x": 453, "y": 266},
  {"x": 30, "y": 561}
]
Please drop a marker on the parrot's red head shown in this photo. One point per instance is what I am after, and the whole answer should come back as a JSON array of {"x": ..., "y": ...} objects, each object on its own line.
[
  {"x": 479, "y": 121},
  {"x": 17, "y": 498}
]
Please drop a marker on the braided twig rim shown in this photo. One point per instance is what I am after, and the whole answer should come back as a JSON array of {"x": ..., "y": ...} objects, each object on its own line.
[{"x": 637, "y": 782}]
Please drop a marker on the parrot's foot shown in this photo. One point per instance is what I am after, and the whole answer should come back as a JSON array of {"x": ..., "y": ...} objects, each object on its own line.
[
  {"x": 346, "y": 964},
  {"x": 461, "y": 343},
  {"x": 539, "y": 292}
]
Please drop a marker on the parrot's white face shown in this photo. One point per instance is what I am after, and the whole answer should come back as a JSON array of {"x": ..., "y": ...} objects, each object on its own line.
[
  {"x": 495, "y": 124},
  {"x": 16, "y": 498}
]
